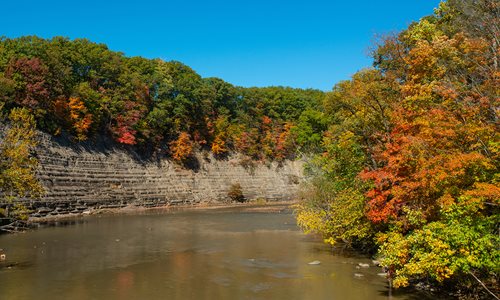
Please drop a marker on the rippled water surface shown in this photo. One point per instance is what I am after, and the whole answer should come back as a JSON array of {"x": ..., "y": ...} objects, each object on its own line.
[{"x": 190, "y": 254}]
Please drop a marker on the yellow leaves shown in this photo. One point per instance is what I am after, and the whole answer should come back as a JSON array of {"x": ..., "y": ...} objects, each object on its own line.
[
  {"x": 443, "y": 273},
  {"x": 218, "y": 146},
  {"x": 310, "y": 220},
  {"x": 331, "y": 241},
  {"x": 17, "y": 168},
  {"x": 336, "y": 216},
  {"x": 400, "y": 281},
  {"x": 182, "y": 148},
  {"x": 422, "y": 61},
  {"x": 423, "y": 30}
]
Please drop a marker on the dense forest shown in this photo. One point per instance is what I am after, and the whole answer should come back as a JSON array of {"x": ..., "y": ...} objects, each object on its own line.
[
  {"x": 84, "y": 89},
  {"x": 403, "y": 158},
  {"x": 410, "y": 160}
]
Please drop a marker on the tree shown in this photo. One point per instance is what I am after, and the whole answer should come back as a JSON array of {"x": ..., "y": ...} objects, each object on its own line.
[
  {"x": 182, "y": 148},
  {"x": 17, "y": 166},
  {"x": 411, "y": 154},
  {"x": 333, "y": 204},
  {"x": 235, "y": 193},
  {"x": 125, "y": 127},
  {"x": 309, "y": 130},
  {"x": 31, "y": 86}
]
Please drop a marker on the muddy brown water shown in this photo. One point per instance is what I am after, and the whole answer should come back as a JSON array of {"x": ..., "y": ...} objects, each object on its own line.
[{"x": 184, "y": 254}]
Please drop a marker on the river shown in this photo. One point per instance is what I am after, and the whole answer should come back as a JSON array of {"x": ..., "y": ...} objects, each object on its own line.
[{"x": 184, "y": 254}]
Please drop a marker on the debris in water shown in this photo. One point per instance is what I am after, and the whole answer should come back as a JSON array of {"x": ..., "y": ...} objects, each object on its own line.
[{"x": 316, "y": 262}]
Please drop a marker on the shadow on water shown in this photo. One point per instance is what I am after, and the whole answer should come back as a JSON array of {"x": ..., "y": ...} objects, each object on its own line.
[
  {"x": 410, "y": 294},
  {"x": 6, "y": 266},
  {"x": 60, "y": 223}
]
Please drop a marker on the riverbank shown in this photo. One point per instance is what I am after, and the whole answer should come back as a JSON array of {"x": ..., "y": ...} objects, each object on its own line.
[{"x": 250, "y": 206}]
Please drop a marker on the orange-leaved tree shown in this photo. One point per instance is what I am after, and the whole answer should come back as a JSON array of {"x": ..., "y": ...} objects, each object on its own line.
[{"x": 182, "y": 147}]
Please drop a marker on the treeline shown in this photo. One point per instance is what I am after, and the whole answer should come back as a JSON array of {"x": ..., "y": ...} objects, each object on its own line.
[
  {"x": 83, "y": 89},
  {"x": 410, "y": 161}
]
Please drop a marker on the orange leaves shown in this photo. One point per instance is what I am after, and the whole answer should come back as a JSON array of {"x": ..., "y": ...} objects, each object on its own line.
[
  {"x": 485, "y": 192},
  {"x": 441, "y": 146},
  {"x": 80, "y": 118},
  {"x": 380, "y": 207},
  {"x": 247, "y": 142},
  {"x": 276, "y": 139},
  {"x": 284, "y": 141},
  {"x": 126, "y": 137},
  {"x": 74, "y": 112},
  {"x": 266, "y": 121},
  {"x": 182, "y": 148},
  {"x": 220, "y": 129},
  {"x": 419, "y": 169},
  {"x": 271, "y": 140},
  {"x": 218, "y": 146}
]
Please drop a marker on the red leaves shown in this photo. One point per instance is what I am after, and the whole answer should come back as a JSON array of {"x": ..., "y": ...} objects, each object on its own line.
[
  {"x": 31, "y": 78},
  {"x": 124, "y": 127},
  {"x": 126, "y": 136},
  {"x": 381, "y": 208}
]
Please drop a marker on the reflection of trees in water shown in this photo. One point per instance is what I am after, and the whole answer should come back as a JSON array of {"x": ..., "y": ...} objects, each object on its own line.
[
  {"x": 182, "y": 265},
  {"x": 124, "y": 283}
]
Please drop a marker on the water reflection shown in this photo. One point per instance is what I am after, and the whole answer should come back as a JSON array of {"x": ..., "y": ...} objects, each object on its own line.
[{"x": 183, "y": 255}]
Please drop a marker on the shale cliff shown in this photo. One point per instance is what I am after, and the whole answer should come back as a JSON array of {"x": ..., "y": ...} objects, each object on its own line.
[{"x": 80, "y": 178}]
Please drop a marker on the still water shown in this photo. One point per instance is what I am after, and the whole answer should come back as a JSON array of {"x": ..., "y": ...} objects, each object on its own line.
[{"x": 183, "y": 254}]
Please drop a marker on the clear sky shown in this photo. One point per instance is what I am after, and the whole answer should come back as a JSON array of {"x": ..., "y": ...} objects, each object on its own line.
[{"x": 307, "y": 44}]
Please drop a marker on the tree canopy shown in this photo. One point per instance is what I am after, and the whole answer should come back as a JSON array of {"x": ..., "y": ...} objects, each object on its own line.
[{"x": 85, "y": 90}]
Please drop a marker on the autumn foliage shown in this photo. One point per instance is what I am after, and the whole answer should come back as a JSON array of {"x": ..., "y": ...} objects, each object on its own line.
[
  {"x": 17, "y": 166},
  {"x": 84, "y": 90},
  {"x": 182, "y": 147},
  {"x": 423, "y": 129},
  {"x": 403, "y": 157}
]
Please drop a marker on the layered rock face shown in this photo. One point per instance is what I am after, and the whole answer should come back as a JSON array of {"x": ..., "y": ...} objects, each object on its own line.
[{"x": 82, "y": 178}]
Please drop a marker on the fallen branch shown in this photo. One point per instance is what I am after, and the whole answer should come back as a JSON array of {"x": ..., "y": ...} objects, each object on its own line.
[{"x": 484, "y": 286}]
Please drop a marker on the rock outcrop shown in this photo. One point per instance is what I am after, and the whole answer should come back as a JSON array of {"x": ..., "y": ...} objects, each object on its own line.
[{"x": 79, "y": 178}]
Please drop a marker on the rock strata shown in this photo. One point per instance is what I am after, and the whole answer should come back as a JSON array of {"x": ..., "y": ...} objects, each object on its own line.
[{"x": 81, "y": 178}]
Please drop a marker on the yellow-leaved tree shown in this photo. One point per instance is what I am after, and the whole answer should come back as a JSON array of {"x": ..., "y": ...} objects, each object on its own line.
[{"x": 17, "y": 166}]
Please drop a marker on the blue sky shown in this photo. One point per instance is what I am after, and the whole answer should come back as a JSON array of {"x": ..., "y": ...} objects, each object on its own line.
[{"x": 306, "y": 44}]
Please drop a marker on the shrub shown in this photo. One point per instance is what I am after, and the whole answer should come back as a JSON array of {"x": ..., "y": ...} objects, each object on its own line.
[{"x": 235, "y": 193}]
